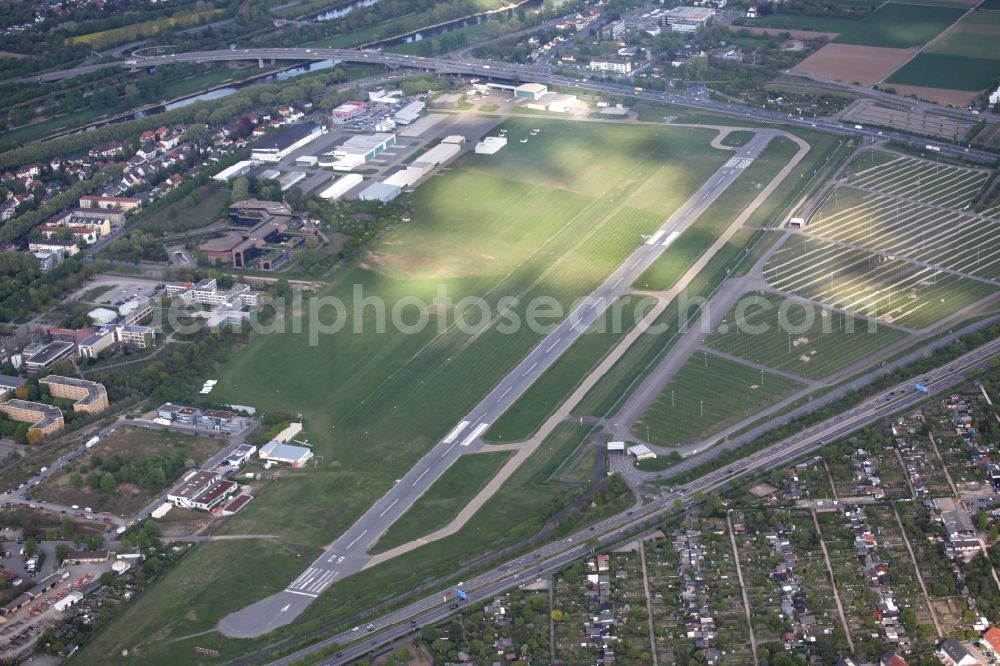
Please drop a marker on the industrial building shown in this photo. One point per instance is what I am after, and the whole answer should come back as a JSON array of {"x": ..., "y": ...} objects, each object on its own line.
[
  {"x": 409, "y": 113},
  {"x": 341, "y": 186},
  {"x": 383, "y": 192},
  {"x": 275, "y": 147},
  {"x": 235, "y": 171},
  {"x": 405, "y": 178},
  {"x": 447, "y": 101},
  {"x": 346, "y": 111},
  {"x": 89, "y": 397},
  {"x": 688, "y": 19},
  {"x": 532, "y": 91},
  {"x": 438, "y": 155},
  {"x": 289, "y": 180},
  {"x": 276, "y": 451},
  {"x": 491, "y": 145},
  {"x": 201, "y": 490},
  {"x": 360, "y": 149},
  {"x": 43, "y": 419}
]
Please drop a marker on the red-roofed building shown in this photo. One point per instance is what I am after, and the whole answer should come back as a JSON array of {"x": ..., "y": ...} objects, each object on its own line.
[{"x": 991, "y": 641}]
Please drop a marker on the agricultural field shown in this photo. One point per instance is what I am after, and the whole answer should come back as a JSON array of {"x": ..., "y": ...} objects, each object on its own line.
[
  {"x": 922, "y": 180},
  {"x": 803, "y": 22},
  {"x": 901, "y": 26},
  {"x": 902, "y": 229},
  {"x": 705, "y": 395},
  {"x": 944, "y": 70},
  {"x": 803, "y": 340},
  {"x": 975, "y": 36}
]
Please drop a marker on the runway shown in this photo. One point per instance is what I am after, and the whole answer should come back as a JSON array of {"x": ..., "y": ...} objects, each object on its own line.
[{"x": 347, "y": 555}]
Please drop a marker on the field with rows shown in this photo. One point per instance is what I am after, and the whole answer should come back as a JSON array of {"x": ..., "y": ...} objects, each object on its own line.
[
  {"x": 706, "y": 395},
  {"x": 901, "y": 26},
  {"x": 872, "y": 284},
  {"x": 951, "y": 239},
  {"x": 799, "y": 338},
  {"x": 937, "y": 184}
]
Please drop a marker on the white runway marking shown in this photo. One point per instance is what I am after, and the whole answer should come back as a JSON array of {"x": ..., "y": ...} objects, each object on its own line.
[
  {"x": 670, "y": 239},
  {"x": 553, "y": 345},
  {"x": 356, "y": 540},
  {"x": 617, "y": 282},
  {"x": 454, "y": 433},
  {"x": 526, "y": 372},
  {"x": 652, "y": 240},
  {"x": 421, "y": 476},
  {"x": 506, "y": 391},
  {"x": 304, "y": 594},
  {"x": 738, "y": 163},
  {"x": 476, "y": 432},
  {"x": 388, "y": 507}
]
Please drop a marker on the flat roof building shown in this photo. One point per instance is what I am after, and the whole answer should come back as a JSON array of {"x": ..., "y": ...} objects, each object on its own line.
[
  {"x": 383, "y": 192},
  {"x": 11, "y": 383},
  {"x": 438, "y": 155},
  {"x": 275, "y": 147},
  {"x": 200, "y": 489},
  {"x": 530, "y": 90},
  {"x": 409, "y": 113},
  {"x": 89, "y": 397},
  {"x": 296, "y": 456},
  {"x": 490, "y": 145},
  {"x": 44, "y": 419},
  {"x": 360, "y": 149},
  {"x": 341, "y": 186},
  {"x": 48, "y": 354},
  {"x": 235, "y": 171}
]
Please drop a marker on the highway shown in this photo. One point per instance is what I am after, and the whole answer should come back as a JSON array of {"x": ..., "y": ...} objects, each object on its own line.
[
  {"x": 347, "y": 555},
  {"x": 698, "y": 99},
  {"x": 557, "y": 555}
]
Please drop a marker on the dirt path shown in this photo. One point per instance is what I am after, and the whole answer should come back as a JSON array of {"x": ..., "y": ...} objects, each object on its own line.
[
  {"x": 833, "y": 581},
  {"x": 743, "y": 589},
  {"x": 920, "y": 578}
]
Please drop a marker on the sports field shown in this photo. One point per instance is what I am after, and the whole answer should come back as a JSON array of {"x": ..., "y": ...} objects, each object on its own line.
[
  {"x": 875, "y": 285},
  {"x": 954, "y": 240},
  {"x": 550, "y": 217},
  {"x": 801, "y": 339},
  {"x": 707, "y": 394},
  {"x": 923, "y": 180},
  {"x": 942, "y": 70},
  {"x": 900, "y": 26}
]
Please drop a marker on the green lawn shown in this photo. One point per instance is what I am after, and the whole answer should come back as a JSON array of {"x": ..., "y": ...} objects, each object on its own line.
[
  {"x": 900, "y": 26},
  {"x": 181, "y": 216},
  {"x": 443, "y": 500},
  {"x": 953, "y": 72},
  {"x": 798, "y": 22},
  {"x": 787, "y": 337},
  {"x": 691, "y": 244},
  {"x": 707, "y": 394},
  {"x": 551, "y": 217},
  {"x": 92, "y": 294}
]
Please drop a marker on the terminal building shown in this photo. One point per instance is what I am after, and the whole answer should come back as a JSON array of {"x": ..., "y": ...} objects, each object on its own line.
[{"x": 276, "y": 147}]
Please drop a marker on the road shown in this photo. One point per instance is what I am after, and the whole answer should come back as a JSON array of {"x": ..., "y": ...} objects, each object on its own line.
[
  {"x": 557, "y": 555},
  {"x": 347, "y": 555},
  {"x": 698, "y": 99}
]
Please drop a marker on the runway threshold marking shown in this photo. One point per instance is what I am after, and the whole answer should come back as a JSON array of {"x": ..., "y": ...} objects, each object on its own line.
[
  {"x": 654, "y": 239},
  {"x": 304, "y": 594},
  {"x": 476, "y": 432},
  {"x": 454, "y": 433},
  {"x": 670, "y": 239}
]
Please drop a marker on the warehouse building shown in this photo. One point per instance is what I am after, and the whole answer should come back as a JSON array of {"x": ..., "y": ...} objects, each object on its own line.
[
  {"x": 341, "y": 186},
  {"x": 688, "y": 19},
  {"x": 360, "y": 149},
  {"x": 490, "y": 145},
  {"x": 447, "y": 101},
  {"x": 438, "y": 155},
  {"x": 291, "y": 179},
  {"x": 531, "y": 91},
  {"x": 235, "y": 171},
  {"x": 409, "y": 113},
  {"x": 404, "y": 178},
  {"x": 89, "y": 397},
  {"x": 275, "y": 147},
  {"x": 383, "y": 192},
  {"x": 275, "y": 451}
]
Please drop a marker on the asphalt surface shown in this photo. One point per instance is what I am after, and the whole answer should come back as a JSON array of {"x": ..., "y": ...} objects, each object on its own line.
[
  {"x": 556, "y": 555},
  {"x": 347, "y": 555}
]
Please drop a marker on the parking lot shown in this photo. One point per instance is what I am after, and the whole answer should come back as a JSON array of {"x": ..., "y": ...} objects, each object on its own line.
[{"x": 120, "y": 289}]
